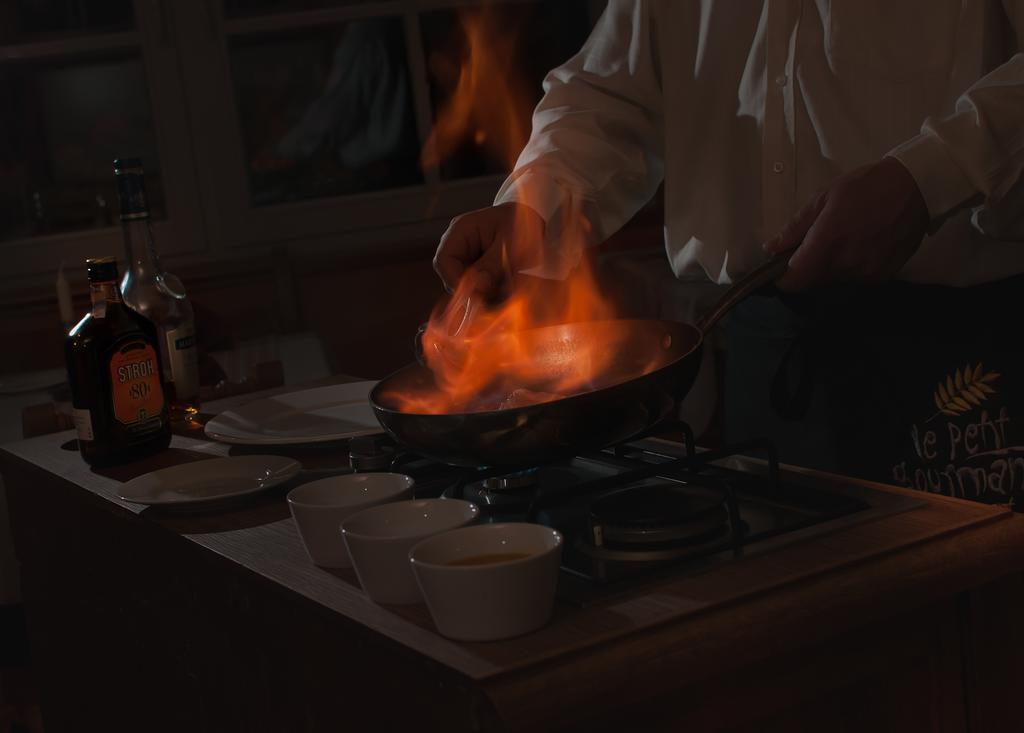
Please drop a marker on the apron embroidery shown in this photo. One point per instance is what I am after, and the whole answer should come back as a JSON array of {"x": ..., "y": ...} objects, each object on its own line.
[
  {"x": 911, "y": 384},
  {"x": 964, "y": 391},
  {"x": 963, "y": 449}
]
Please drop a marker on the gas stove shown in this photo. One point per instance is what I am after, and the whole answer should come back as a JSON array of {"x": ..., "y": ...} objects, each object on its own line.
[{"x": 652, "y": 507}]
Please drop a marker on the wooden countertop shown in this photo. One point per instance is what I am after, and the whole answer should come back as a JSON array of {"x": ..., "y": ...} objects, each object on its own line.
[{"x": 684, "y": 629}]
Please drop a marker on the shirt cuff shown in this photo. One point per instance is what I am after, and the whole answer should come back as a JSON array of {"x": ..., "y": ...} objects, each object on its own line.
[
  {"x": 534, "y": 189},
  {"x": 943, "y": 185},
  {"x": 540, "y": 191}
]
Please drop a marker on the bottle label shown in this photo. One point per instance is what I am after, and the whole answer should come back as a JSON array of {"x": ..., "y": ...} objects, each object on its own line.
[
  {"x": 184, "y": 361},
  {"x": 135, "y": 380},
  {"x": 83, "y": 423}
]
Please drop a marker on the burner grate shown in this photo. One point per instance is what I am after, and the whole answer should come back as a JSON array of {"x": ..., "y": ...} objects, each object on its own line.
[
  {"x": 732, "y": 506},
  {"x": 657, "y": 514}
]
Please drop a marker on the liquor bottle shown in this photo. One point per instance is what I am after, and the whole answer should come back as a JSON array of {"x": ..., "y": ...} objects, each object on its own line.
[
  {"x": 114, "y": 372},
  {"x": 157, "y": 295}
]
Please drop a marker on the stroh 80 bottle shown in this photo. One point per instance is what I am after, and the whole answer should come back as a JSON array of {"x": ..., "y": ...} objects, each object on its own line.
[
  {"x": 114, "y": 372},
  {"x": 157, "y": 295}
]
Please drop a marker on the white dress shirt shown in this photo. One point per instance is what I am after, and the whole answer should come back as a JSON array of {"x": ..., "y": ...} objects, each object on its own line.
[{"x": 747, "y": 109}]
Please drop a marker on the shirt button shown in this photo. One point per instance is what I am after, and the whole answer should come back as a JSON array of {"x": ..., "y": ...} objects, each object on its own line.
[
  {"x": 779, "y": 166},
  {"x": 781, "y": 80}
]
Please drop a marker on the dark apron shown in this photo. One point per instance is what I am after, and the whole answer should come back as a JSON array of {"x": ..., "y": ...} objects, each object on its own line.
[{"x": 914, "y": 385}]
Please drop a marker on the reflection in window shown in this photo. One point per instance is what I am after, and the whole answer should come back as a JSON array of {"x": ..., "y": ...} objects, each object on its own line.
[
  {"x": 22, "y": 20},
  {"x": 327, "y": 112},
  {"x": 61, "y": 128},
  {"x": 241, "y": 8},
  {"x": 548, "y": 33}
]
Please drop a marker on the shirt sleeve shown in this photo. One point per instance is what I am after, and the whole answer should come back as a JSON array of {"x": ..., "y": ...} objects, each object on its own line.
[
  {"x": 597, "y": 134},
  {"x": 979, "y": 149}
]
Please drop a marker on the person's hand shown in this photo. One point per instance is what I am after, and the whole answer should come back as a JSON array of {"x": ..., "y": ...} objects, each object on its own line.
[
  {"x": 863, "y": 227},
  {"x": 489, "y": 245}
]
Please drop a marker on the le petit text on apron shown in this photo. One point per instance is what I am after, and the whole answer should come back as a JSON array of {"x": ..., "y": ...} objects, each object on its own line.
[{"x": 915, "y": 385}]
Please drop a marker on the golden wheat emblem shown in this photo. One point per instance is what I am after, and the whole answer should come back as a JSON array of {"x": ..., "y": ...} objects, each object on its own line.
[{"x": 964, "y": 391}]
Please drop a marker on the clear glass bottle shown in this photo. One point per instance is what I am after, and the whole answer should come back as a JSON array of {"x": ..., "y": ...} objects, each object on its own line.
[{"x": 157, "y": 295}]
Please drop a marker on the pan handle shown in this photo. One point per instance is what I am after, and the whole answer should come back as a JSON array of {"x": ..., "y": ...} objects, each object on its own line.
[{"x": 766, "y": 274}]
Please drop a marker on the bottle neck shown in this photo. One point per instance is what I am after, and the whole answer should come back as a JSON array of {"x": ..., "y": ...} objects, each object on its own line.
[
  {"x": 138, "y": 237},
  {"x": 139, "y": 251},
  {"x": 102, "y": 294}
]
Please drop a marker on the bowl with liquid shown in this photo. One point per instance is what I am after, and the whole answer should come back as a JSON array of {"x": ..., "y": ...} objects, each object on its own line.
[{"x": 489, "y": 581}]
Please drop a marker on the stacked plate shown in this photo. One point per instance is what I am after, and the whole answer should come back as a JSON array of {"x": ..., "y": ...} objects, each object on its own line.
[{"x": 320, "y": 415}]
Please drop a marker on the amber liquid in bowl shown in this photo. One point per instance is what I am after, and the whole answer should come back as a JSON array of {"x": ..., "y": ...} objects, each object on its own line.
[{"x": 488, "y": 559}]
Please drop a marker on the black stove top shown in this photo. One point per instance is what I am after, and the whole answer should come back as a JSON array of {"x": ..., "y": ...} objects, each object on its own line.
[{"x": 650, "y": 508}]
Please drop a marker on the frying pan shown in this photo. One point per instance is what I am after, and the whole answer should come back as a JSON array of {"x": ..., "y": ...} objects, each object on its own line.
[{"x": 623, "y": 406}]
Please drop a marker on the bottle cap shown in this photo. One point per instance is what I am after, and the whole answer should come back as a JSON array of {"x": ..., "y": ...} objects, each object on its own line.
[{"x": 101, "y": 269}]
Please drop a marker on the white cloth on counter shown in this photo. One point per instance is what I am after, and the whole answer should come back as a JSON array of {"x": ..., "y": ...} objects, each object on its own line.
[{"x": 748, "y": 109}]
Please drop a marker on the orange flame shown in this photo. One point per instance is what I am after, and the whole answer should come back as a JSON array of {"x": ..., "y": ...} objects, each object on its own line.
[
  {"x": 489, "y": 356},
  {"x": 489, "y": 103}
]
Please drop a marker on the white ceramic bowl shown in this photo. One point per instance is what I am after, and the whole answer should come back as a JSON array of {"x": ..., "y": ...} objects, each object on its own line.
[
  {"x": 496, "y": 599},
  {"x": 319, "y": 508},
  {"x": 379, "y": 540}
]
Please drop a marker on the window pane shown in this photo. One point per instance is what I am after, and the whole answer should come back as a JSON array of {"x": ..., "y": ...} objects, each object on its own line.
[
  {"x": 326, "y": 112},
  {"x": 62, "y": 126},
  {"x": 242, "y": 8},
  {"x": 547, "y": 33},
  {"x": 27, "y": 20}
]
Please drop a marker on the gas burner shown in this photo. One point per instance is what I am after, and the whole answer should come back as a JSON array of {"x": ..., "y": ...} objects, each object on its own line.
[
  {"x": 494, "y": 501},
  {"x": 653, "y": 518},
  {"x": 370, "y": 453},
  {"x": 517, "y": 481},
  {"x": 501, "y": 493}
]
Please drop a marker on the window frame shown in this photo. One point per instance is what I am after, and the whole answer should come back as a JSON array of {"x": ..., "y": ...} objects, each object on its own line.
[
  {"x": 181, "y": 231},
  {"x": 184, "y": 48},
  {"x": 232, "y": 220}
]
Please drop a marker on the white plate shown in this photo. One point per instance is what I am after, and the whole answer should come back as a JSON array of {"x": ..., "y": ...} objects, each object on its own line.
[
  {"x": 311, "y": 416},
  {"x": 217, "y": 478},
  {"x": 32, "y": 381}
]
